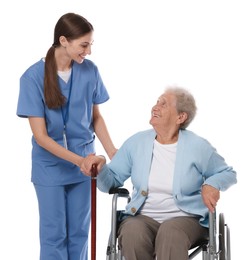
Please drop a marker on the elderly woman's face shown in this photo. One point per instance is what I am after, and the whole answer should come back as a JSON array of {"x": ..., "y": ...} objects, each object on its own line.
[{"x": 164, "y": 113}]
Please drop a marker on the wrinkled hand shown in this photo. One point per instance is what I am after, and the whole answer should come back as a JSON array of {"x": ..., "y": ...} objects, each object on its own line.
[
  {"x": 210, "y": 196},
  {"x": 90, "y": 160}
]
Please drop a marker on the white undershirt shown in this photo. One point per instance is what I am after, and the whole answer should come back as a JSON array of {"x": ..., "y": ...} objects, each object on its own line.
[
  {"x": 160, "y": 204},
  {"x": 65, "y": 75}
]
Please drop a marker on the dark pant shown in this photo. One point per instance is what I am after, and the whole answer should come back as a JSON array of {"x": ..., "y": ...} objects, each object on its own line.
[{"x": 141, "y": 237}]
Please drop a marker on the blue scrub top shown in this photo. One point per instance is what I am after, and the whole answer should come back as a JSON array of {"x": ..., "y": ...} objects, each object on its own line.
[{"x": 87, "y": 89}]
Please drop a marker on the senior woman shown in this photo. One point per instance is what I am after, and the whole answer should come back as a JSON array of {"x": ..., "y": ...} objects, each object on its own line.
[{"x": 177, "y": 177}]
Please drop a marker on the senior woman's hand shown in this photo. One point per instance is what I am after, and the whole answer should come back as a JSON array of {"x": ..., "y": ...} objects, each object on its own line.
[
  {"x": 88, "y": 162},
  {"x": 210, "y": 196}
]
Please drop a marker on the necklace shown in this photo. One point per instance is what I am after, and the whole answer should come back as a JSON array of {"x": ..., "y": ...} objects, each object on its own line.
[{"x": 65, "y": 112}]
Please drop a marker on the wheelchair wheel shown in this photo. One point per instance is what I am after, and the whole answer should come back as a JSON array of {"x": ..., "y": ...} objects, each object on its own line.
[{"x": 222, "y": 237}]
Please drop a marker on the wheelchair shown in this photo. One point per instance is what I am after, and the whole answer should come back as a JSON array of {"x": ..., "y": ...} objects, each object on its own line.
[{"x": 211, "y": 249}]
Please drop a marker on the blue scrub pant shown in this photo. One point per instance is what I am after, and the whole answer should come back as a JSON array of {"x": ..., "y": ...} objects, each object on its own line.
[{"x": 64, "y": 221}]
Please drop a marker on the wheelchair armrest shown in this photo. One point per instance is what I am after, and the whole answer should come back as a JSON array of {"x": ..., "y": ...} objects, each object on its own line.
[
  {"x": 120, "y": 191},
  {"x": 222, "y": 233},
  {"x": 212, "y": 232},
  {"x": 117, "y": 193}
]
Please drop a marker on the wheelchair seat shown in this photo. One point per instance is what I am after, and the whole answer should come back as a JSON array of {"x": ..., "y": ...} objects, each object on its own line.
[{"x": 211, "y": 248}]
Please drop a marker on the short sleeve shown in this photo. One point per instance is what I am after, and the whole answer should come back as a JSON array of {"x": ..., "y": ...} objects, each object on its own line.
[
  {"x": 30, "y": 100},
  {"x": 100, "y": 94}
]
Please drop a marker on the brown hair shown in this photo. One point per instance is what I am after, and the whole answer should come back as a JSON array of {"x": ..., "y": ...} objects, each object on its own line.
[{"x": 72, "y": 26}]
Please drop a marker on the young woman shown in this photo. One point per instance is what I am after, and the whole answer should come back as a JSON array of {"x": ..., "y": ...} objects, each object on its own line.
[{"x": 60, "y": 95}]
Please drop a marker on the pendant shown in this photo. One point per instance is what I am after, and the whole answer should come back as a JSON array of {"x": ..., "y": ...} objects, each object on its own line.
[{"x": 64, "y": 139}]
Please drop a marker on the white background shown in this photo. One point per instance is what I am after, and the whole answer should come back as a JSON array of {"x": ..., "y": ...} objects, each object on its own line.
[{"x": 140, "y": 47}]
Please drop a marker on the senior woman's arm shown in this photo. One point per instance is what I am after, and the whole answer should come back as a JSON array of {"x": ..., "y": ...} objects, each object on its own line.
[
  {"x": 218, "y": 173},
  {"x": 218, "y": 177},
  {"x": 115, "y": 173}
]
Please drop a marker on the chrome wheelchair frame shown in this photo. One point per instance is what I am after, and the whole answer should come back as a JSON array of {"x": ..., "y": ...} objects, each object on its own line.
[{"x": 210, "y": 249}]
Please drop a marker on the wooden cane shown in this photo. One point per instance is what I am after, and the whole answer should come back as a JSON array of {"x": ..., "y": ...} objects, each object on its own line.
[{"x": 93, "y": 212}]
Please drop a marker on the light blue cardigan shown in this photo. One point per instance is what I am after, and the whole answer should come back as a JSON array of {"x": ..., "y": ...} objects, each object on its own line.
[{"x": 197, "y": 163}]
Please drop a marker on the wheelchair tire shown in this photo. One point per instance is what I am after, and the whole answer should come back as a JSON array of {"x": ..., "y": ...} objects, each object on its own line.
[{"x": 222, "y": 237}]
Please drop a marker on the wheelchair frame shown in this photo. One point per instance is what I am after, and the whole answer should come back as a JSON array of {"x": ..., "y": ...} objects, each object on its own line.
[{"x": 210, "y": 250}]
